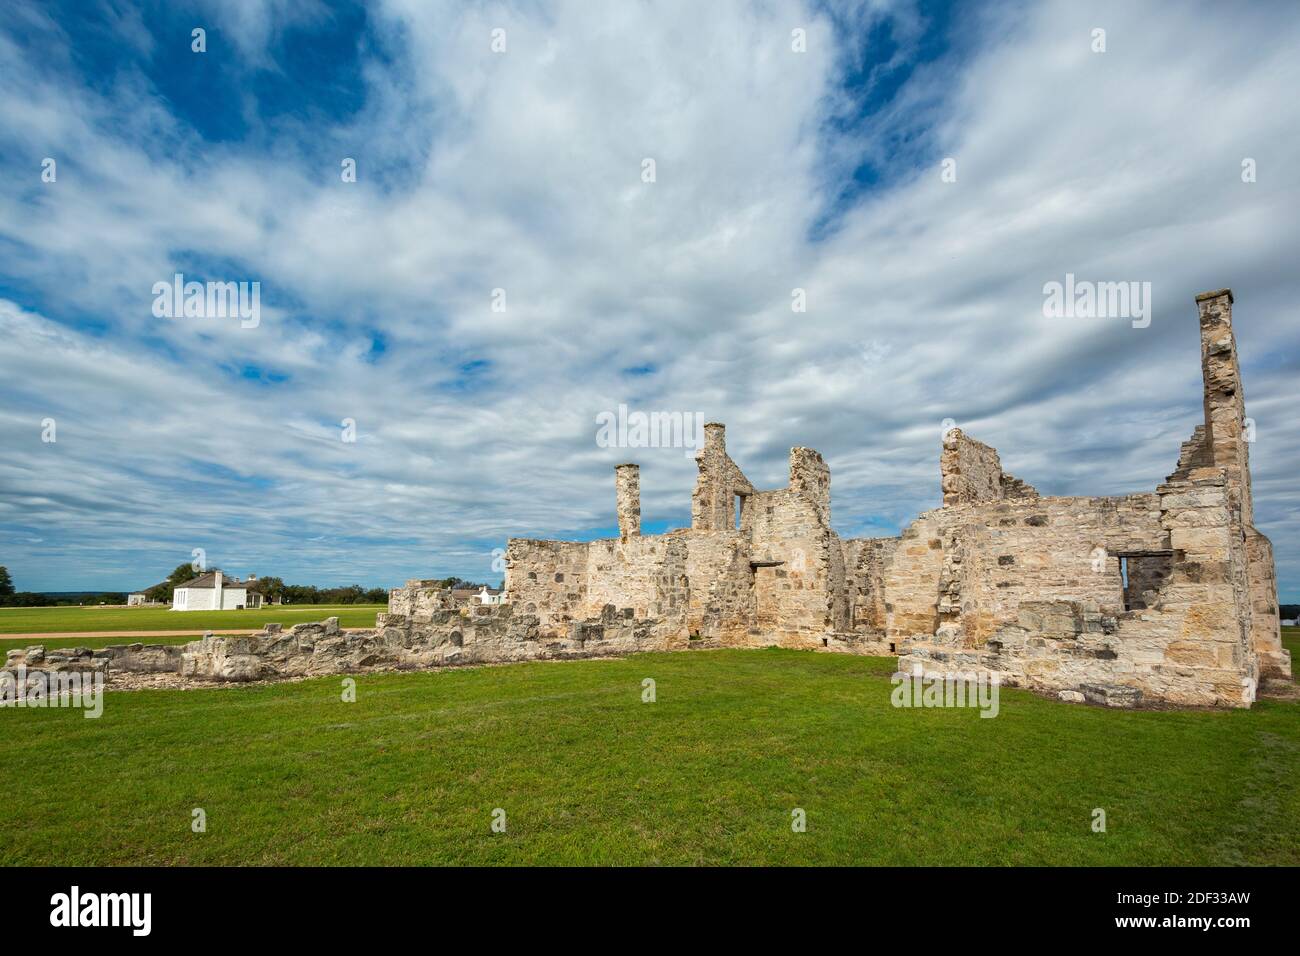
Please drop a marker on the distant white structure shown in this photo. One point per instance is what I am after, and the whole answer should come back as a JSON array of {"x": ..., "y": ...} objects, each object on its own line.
[
  {"x": 134, "y": 600},
  {"x": 1288, "y": 623},
  {"x": 491, "y": 595},
  {"x": 212, "y": 592}
]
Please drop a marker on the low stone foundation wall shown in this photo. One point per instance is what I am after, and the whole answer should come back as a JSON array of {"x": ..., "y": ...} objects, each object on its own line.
[
  {"x": 478, "y": 635},
  {"x": 1073, "y": 650}
]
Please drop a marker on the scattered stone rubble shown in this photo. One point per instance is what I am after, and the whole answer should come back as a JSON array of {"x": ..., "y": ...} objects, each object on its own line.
[
  {"x": 1157, "y": 598},
  {"x": 480, "y": 635}
]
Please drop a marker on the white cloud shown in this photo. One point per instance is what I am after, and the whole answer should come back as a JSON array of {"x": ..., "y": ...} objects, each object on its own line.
[{"x": 522, "y": 171}]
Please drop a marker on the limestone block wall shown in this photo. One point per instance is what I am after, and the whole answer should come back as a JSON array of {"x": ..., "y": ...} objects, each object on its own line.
[
  {"x": 1013, "y": 487},
  {"x": 721, "y": 603},
  {"x": 912, "y": 578},
  {"x": 1194, "y": 453},
  {"x": 548, "y": 579},
  {"x": 1266, "y": 632},
  {"x": 865, "y": 560},
  {"x": 970, "y": 470},
  {"x": 1192, "y": 645},
  {"x": 1038, "y": 549},
  {"x": 1170, "y": 594},
  {"x": 799, "y": 568},
  {"x": 645, "y": 573},
  {"x": 810, "y": 477},
  {"x": 420, "y": 598}
]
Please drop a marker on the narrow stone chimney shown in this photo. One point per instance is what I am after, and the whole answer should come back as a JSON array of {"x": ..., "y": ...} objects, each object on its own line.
[
  {"x": 627, "y": 485},
  {"x": 1225, "y": 404},
  {"x": 715, "y": 436},
  {"x": 216, "y": 591}
]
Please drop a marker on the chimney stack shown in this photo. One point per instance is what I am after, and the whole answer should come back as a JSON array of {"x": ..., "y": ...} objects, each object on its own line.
[
  {"x": 627, "y": 486},
  {"x": 1225, "y": 405},
  {"x": 715, "y": 436},
  {"x": 216, "y": 591}
]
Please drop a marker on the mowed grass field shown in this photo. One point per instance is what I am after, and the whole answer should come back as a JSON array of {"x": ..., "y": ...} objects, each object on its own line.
[
  {"x": 589, "y": 774},
  {"x": 50, "y": 620}
]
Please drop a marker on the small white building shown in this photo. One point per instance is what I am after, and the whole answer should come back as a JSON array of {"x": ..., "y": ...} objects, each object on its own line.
[
  {"x": 135, "y": 600},
  {"x": 491, "y": 596},
  {"x": 214, "y": 592}
]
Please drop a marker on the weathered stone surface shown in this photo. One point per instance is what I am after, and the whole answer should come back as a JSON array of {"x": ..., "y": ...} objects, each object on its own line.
[
  {"x": 1112, "y": 695},
  {"x": 627, "y": 484}
]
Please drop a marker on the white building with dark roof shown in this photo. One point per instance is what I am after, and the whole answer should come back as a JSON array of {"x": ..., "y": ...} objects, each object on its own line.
[{"x": 215, "y": 592}]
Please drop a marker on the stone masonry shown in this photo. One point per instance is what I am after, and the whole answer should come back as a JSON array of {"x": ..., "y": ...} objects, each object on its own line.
[
  {"x": 1166, "y": 596},
  {"x": 1160, "y": 597}
]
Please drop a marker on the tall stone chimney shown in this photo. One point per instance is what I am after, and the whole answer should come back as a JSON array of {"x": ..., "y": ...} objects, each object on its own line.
[
  {"x": 627, "y": 485},
  {"x": 715, "y": 436},
  {"x": 216, "y": 591},
  {"x": 1225, "y": 405}
]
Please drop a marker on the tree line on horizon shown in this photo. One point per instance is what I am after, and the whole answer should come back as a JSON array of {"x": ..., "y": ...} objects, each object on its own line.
[
  {"x": 11, "y": 597},
  {"x": 271, "y": 588}
]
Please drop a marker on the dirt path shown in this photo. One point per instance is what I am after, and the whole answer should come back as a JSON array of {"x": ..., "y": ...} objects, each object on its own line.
[{"x": 200, "y": 633}]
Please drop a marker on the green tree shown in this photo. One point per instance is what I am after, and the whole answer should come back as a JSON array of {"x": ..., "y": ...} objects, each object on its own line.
[
  {"x": 6, "y": 582},
  {"x": 270, "y": 588},
  {"x": 163, "y": 592}
]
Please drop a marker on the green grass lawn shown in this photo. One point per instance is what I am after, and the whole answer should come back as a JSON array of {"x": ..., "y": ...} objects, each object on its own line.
[
  {"x": 411, "y": 772},
  {"x": 48, "y": 620}
]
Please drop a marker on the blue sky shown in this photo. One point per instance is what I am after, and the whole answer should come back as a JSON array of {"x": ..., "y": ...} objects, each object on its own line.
[{"x": 521, "y": 170}]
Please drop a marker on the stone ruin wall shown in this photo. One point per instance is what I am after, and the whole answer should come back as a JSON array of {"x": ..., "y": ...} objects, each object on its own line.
[
  {"x": 998, "y": 579},
  {"x": 433, "y": 638},
  {"x": 779, "y": 578},
  {"x": 1188, "y": 644},
  {"x": 1032, "y": 587}
]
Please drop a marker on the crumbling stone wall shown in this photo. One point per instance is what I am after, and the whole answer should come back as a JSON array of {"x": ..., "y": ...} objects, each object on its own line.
[
  {"x": 999, "y": 579},
  {"x": 1266, "y": 631},
  {"x": 865, "y": 560},
  {"x": 1164, "y": 595},
  {"x": 970, "y": 471},
  {"x": 1191, "y": 646},
  {"x": 794, "y": 571},
  {"x": 721, "y": 579},
  {"x": 780, "y": 578},
  {"x": 1224, "y": 399},
  {"x": 647, "y": 574},
  {"x": 471, "y": 635},
  {"x": 720, "y": 482},
  {"x": 548, "y": 579},
  {"x": 1020, "y": 550}
]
